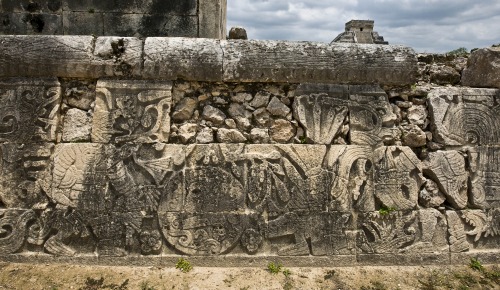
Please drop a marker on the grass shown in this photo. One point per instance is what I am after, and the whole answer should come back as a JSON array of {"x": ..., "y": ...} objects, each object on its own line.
[
  {"x": 274, "y": 268},
  {"x": 183, "y": 265},
  {"x": 384, "y": 210}
]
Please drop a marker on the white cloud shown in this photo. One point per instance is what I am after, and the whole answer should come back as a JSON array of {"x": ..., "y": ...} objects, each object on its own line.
[{"x": 426, "y": 25}]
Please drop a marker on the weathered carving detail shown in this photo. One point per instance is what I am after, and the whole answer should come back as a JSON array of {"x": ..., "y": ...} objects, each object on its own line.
[
  {"x": 422, "y": 231},
  {"x": 22, "y": 174},
  {"x": 457, "y": 239},
  {"x": 474, "y": 229},
  {"x": 485, "y": 176},
  {"x": 465, "y": 116},
  {"x": 13, "y": 229},
  {"x": 353, "y": 183},
  {"x": 447, "y": 169},
  {"x": 132, "y": 111},
  {"x": 398, "y": 177},
  {"x": 371, "y": 116},
  {"x": 29, "y": 110},
  {"x": 321, "y": 116}
]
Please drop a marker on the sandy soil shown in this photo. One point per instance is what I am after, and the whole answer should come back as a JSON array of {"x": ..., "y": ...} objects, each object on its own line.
[{"x": 30, "y": 276}]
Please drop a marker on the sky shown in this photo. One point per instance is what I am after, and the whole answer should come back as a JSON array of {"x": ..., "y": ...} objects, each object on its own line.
[{"x": 425, "y": 25}]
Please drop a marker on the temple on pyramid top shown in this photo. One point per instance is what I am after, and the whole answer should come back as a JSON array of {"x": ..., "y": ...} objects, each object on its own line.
[{"x": 360, "y": 31}]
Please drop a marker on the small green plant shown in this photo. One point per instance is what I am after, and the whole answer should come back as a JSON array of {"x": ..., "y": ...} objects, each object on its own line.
[
  {"x": 384, "y": 210},
  {"x": 274, "y": 268},
  {"x": 475, "y": 264},
  {"x": 183, "y": 265},
  {"x": 303, "y": 139},
  {"x": 287, "y": 272}
]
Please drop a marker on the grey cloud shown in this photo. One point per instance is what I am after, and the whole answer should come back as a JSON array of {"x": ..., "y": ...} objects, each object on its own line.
[{"x": 426, "y": 25}]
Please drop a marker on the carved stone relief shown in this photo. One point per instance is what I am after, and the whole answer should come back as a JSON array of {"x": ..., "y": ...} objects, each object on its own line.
[
  {"x": 422, "y": 231},
  {"x": 371, "y": 117},
  {"x": 398, "y": 177},
  {"x": 474, "y": 229},
  {"x": 22, "y": 174},
  {"x": 447, "y": 169},
  {"x": 485, "y": 176},
  {"x": 132, "y": 111},
  {"x": 463, "y": 116},
  {"x": 29, "y": 110}
]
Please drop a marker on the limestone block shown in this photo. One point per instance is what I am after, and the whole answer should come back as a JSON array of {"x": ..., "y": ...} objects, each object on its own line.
[
  {"x": 409, "y": 232},
  {"x": 353, "y": 185},
  {"x": 45, "y": 56},
  {"x": 187, "y": 132},
  {"x": 77, "y": 126},
  {"x": 78, "y": 94},
  {"x": 464, "y": 116},
  {"x": 316, "y": 234},
  {"x": 206, "y": 135},
  {"x": 371, "y": 117},
  {"x": 484, "y": 164},
  {"x": 482, "y": 68},
  {"x": 398, "y": 177},
  {"x": 69, "y": 56},
  {"x": 184, "y": 109},
  {"x": 132, "y": 111},
  {"x": 186, "y": 58},
  {"x": 447, "y": 169},
  {"x": 23, "y": 179},
  {"x": 230, "y": 136},
  {"x": 283, "y": 61},
  {"x": 104, "y": 197},
  {"x": 83, "y": 23},
  {"x": 29, "y": 110},
  {"x": 212, "y": 19},
  {"x": 413, "y": 136},
  {"x": 213, "y": 115},
  {"x": 321, "y": 116},
  {"x": 474, "y": 230},
  {"x": 174, "y": 7},
  {"x": 118, "y": 56},
  {"x": 277, "y": 108},
  {"x": 150, "y": 25},
  {"x": 282, "y": 131},
  {"x": 15, "y": 223}
]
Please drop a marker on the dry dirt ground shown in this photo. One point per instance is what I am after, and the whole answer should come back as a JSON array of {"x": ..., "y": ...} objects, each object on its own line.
[{"x": 31, "y": 276}]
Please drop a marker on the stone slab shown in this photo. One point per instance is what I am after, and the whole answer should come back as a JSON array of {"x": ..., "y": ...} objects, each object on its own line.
[
  {"x": 284, "y": 61},
  {"x": 212, "y": 19},
  {"x": 69, "y": 56},
  {"x": 83, "y": 23},
  {"x": 172, "y": 7},
  {"x": 150, "y": 25},
  {"x": 482, "y": 69},
  {"x": 406, "y": 260},
  {"x": 132, "y": 111},
  {"x": 29, "y": 109},
  {"x": 184, "y": 58},
  {"x": 465, "y": 116}
]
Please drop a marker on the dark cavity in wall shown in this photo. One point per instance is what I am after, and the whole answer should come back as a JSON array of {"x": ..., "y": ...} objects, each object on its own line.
[
  {"x": 32, "y": 7},
  {"x": 36, "y": 21},
  {"x": 54, "y": 5}
]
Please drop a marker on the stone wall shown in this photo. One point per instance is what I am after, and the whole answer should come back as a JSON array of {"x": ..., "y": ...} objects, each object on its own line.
[
  {"x": 138, "y": 18},
  {"x": 128, "y": 151}
]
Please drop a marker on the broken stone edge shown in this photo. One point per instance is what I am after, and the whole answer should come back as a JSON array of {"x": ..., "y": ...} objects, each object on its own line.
[{"x": 206, "y": 60}]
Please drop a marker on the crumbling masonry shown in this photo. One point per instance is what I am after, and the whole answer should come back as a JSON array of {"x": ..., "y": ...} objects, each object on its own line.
[{"x": 120, "y": 150}]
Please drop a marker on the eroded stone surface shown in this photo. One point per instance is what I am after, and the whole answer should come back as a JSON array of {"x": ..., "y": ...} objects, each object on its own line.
[
  {"x": 398, "y": 177},
  {"x": 132, "y": 111},
  {"x": 463, "y": 116},
  {"x": 482, "y": 68},
  {"x": 484, "y": 165},
  {"x": 29, "y": 110}
]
